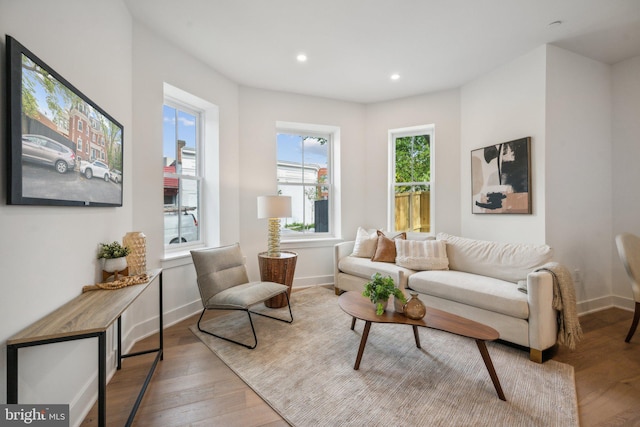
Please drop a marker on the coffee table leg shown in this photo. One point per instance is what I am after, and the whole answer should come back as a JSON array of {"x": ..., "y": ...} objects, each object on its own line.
[
  {"x": 415, "y": 334},
  {"x": 353, "y": 323},
  {"x": 363, "y": 342},
  {"x": 489, "y": 364}
]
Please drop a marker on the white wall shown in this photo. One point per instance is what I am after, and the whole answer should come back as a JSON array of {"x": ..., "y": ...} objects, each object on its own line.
[
  {"x": 506, "y": 104},
  {"x": 441, "y": 109},
  {"x": 259, "y": 112},
  {"x": 49, "y": 252},
  {"x": 578, "y": 171},
  {"x": 155, "y": 62},
  {"x": 625, "y": 170}
]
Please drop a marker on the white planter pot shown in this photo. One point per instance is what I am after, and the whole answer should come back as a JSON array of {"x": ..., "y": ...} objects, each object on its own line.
[{"x": 112, "y": 265}]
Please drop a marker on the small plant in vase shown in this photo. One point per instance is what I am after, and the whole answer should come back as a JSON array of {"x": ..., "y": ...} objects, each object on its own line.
[
  {"x": 379, "y": 289},
  {"x": 114, "y": 255}
]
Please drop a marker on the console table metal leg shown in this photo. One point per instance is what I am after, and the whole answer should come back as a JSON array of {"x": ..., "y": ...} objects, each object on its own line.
[
  {"x": 489, "y": 364},
  {"x": 12, "y": 374},
  {"x": 119, "y": 357},
  {"x": 363, "y": 342},
  {"x": 102, "y": 379}
]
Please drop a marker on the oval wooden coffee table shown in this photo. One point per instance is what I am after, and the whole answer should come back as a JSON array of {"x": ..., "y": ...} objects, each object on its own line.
[{"x": 359, "y": 307}]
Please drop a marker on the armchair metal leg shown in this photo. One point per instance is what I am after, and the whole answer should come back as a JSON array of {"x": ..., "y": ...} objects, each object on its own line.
[
  {"x": 250, "y": 347},
  {"x": 634, "y": 324},
  {"x": 253, "y": 330},
  {"x": 277, "y": 318}
]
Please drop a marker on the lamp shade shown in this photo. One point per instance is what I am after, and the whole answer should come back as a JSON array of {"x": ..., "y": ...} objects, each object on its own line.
[{"x": 274, "y": 207}]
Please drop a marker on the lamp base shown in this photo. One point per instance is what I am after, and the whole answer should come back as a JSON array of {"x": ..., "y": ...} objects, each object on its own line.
[{"x": 273, "y": 246}]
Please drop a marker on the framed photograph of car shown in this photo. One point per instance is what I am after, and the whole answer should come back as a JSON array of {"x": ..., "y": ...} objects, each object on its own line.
[{"x": 63, "y": 149}]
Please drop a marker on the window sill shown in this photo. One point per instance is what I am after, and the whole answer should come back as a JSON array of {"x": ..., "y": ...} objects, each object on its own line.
[
  {"x": 310, "y": 243},
  {"x": 178, "y": 257}
]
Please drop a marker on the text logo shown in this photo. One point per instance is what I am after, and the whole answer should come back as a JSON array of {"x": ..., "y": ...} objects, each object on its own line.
[{"x": 34, "y": 415}]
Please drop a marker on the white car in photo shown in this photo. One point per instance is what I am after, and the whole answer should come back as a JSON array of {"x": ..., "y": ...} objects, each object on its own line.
[{"x": 95, "y": 168}]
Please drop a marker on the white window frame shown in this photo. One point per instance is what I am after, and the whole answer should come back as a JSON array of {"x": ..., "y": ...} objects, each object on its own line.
[
  {"x": 399, "y": 133},
  {"x": 80, "y": 126},
  {"x": 208, "y": 166},
  {"x": 333, "y": 172},
  {"x": 79, "y": 144}
]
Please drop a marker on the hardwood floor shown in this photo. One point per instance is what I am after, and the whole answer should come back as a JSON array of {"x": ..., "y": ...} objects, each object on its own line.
[
  {"x": 607, "y": 370},
  {"x": 193, "y": 387}
]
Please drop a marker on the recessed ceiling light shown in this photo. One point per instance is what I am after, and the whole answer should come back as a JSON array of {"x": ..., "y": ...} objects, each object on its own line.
[
  {"x": 395, "y": 76},
  {"x": 301, "y": 57}
]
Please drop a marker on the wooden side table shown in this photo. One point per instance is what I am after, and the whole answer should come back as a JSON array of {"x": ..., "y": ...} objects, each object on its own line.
[{"x": 278, "y": 269}]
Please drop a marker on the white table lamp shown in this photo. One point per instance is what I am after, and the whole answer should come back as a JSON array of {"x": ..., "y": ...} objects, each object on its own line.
[{"x": 274, "y": 208}]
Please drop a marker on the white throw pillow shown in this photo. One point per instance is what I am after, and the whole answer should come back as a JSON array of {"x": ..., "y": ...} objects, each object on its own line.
[
  {"x": 422, "y": 254},
  {"x": 365, "y": 245}
]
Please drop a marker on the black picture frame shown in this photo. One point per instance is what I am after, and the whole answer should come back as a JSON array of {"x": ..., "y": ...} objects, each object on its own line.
[
  {"x": 62, "y": 148},
  {"x": 501, "y": 178}
]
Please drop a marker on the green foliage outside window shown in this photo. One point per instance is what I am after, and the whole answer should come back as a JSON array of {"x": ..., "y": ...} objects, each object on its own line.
[{"x": 413, "y": 162}]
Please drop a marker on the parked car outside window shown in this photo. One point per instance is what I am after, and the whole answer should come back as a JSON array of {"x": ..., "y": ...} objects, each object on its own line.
[
  {"x": 187, "y": 222},
  {"x": 43, "y": 150},
  {"x": 95, "y": 168}
]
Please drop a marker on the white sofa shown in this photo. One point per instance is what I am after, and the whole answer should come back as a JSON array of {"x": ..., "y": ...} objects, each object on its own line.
[{"x": 481, "y": 284}]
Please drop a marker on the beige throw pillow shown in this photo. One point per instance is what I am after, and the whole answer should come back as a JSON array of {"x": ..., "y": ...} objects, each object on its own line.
[
  {"x": 422, "y": 255},
  {"x": 365, "y": 244},
  {"x": 386, "y": 247}
]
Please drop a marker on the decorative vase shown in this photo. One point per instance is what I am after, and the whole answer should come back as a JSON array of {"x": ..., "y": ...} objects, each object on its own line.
[
  {"x": 414, "y": 308},
  {"x": 113, "y": 265},
  {"x": 398, "y": 305},
  {"x": 136, "y": 241}
]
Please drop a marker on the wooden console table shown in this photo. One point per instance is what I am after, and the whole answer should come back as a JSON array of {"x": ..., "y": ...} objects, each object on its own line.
[
  {"x": 278, "y": 269},
  {"x": 87, "y": 316}
]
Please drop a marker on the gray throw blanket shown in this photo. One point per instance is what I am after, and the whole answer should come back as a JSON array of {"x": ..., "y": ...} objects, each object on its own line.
[{"x": 564, "y": 300}]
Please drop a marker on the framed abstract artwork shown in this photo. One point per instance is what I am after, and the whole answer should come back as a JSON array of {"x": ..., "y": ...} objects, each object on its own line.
[{"x": 501, "y": 178}]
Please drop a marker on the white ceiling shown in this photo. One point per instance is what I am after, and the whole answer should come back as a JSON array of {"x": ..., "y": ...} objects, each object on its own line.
[{"x": 355, "y": 45}]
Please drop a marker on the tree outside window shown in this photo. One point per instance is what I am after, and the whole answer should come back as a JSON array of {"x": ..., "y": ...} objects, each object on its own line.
[{"x": 412, "y": 182}]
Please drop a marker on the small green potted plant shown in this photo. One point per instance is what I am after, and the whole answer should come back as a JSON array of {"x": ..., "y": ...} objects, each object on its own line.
[
  {"x": 114, "y": 256},
  {"x": 379, "y": 289}
]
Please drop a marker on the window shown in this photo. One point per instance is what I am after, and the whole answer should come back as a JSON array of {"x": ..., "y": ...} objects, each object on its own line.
[
  {"x": 80, "y": 125},
  {"x": 79, "y": 144},
  {"x": 305, "y": 171},
  {"x": 183, "y": 175},
  {"x": 410, "y": 199}
]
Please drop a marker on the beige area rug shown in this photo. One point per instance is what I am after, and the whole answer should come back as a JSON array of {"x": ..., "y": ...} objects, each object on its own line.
[{"x": 304, "y": 370}]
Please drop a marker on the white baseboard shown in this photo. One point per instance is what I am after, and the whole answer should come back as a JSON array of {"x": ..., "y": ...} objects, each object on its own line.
[
  {"x": 149, "y": 327},
  {"x": 305, "y": 282},
  {"x": 602, "y": 303}
]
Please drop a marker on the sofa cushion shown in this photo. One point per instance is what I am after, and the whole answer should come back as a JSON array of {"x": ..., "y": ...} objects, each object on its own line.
[
  {"x": 422, "y": 254},
  {"x": 472, "y": 289},
  {"x": 366, "y": 268},
  {"x": 365, "y": 243},
  {"x": 506, "y": 261},
  {"x": 386, "y": 247}
]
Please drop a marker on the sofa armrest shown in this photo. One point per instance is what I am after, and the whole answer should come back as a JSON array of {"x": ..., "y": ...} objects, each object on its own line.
[
  {"x": 341, "y": 250},
  {"x": 543, "y": 326}
]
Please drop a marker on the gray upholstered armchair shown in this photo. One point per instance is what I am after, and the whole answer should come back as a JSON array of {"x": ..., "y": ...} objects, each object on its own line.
[{"x": 224, "y": 285}]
